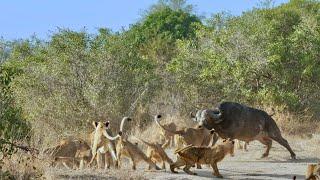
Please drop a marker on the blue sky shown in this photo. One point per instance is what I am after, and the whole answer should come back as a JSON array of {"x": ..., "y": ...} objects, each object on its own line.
[{"x": 23, "y": 18}]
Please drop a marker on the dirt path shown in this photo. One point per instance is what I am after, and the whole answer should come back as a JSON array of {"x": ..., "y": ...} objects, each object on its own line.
[{"x": 244, "y": 165}]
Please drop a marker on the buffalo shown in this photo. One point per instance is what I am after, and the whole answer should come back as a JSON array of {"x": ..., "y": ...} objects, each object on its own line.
[{"x": 237, "y": 121}]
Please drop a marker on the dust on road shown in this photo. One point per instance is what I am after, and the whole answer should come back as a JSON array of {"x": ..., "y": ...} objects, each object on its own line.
[{"x": 244, "y": 165}]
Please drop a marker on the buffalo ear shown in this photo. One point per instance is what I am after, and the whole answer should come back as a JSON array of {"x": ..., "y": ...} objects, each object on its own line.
[{"x": 95, "y": 124}]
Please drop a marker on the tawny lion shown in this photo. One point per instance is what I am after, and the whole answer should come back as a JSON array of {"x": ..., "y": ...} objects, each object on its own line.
[
  {"x": 127, "y": 149},
  {"x": 199, "y": 136},
  {"x": 313, "y": 172},
  {"x": 156, "y": 153},
  {"x": 191, "y": 155},
  {"x": 70, "y": 152},
  {"x": 103, "y": 143},
  {"x": 168, "y": 136}
]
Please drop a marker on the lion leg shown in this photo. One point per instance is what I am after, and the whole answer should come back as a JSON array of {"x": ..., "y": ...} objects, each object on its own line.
[
  {"x": 216, "y": 170},
  {"x": 99, "y": 160},
  {"x": 92, "y": 159},
  {"x": 167, "y": 143},
  {"x": 163, "y": 165},
  {"x": 149, "y": 155},
  {"x": 134, "y": 164},
  {"x": 187, "y": 169},
  {"x": 119, "y": 159},
  {"x": 171, "y": 141},
  {"x": 81, "y": 165},
  {"x": 65, "y": 165},
  {"x": 75, "y": 164},
  {"x": 177, "y": 164},
  {"x": 151, "y": 164},
  {"x": 133, "y": 160},
  {"x": 268, "y": 142},
  {"x": 284, "y": 143},
  {"x": 107, "y": 160},
  {"x": 199, "y": 166}
]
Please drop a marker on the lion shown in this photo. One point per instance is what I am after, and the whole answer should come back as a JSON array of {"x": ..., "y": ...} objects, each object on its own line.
[
  {"x": 125, "y": 148},
  {"x": 103, "y": 143},
  {"x": 191, "y": 155},
  {"x": 313, "y": 172},
  {"x": 71, "y": 153},
  {"x": 198, "y": 136},
  {"x": 168, "y": 136},
  {"x": 156, "y": 153}
]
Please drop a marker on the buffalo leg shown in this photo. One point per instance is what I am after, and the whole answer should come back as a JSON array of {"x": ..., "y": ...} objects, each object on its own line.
[
  {"x": 245, "y": 146},
  {"x": 268, "y": 142},
  {"x": 239, "y": 144},
  {"x": 199, "y": 166},
  {"x": 285, "y": 144}
]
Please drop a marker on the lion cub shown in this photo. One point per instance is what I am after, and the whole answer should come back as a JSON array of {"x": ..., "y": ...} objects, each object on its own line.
[
  {"x": 156, "y": 153},
  {"x": 313, "y": 172},
  {"x": 130, "y": 150},
  {"x": 191, "y": 155}
]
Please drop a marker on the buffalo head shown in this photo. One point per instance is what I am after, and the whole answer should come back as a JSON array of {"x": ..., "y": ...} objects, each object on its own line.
[{"x": 208, "y": 118}]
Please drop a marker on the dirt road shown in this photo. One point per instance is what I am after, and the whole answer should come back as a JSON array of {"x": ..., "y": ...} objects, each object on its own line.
[{"x": 244, "y": 165}]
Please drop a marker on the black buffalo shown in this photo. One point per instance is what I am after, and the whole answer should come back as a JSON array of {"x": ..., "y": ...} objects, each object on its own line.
[{"x": 237, "y": 121}]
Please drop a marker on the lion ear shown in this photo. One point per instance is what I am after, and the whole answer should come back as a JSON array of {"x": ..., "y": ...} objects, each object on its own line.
[
  {"x": 107, "y": 123},
  {"x": 224, "y": 140},
  {"x": 95, "y": 124},
  {"x": 232, "y": 142}
]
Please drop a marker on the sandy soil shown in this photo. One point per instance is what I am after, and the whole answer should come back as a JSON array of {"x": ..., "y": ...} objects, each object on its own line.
[{"x": 244, "y": 165}]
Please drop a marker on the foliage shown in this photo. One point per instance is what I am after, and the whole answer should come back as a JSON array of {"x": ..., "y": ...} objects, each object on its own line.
[
  {"x": 168, "y": 61},
  {"x": 265, "y": 56},
  {"x": 13, "y": 126}
]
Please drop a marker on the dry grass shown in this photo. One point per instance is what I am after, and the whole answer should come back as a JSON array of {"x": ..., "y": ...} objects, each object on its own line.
[
  {"x": 23, "y": 166},
  {"x": 296, "y": 125},
  {"x": 152, "y": 132}
]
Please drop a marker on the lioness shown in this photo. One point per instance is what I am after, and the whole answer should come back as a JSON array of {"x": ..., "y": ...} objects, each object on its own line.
[
  {"x": 198, "y": 136},
  {"x": 313, "y": 172},
  {"x": 156, "y": 153},
  {"x": 190, "y": 155},
  {"x": 70, "y": 152},
  {"x": 102, "y": 143},
  {"x": 130, "y": 150}
]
